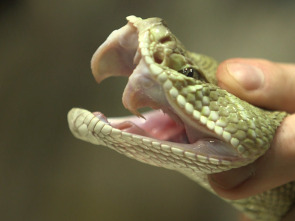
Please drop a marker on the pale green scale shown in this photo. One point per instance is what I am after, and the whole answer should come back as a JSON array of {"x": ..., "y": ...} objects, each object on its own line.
[
  {"x": 205, "y": 111},
  {"x": 198, "y": 105},
  {"x": 251, "y": 134},
  {"x": 214, "y": 96},
  {"x": 234, "y": 117},
  {"x": 241, "y": 135},
  {"x": 223, "y": 111},
  {"x": 206, "y": 100},
  {"x": 242, "y": 125},
  {"x": 222, "y": 121},
  {"x": 199, "y": 95},
  {"x": 214, "y": 106},
  {"x": 191, "y": 98},
  {"x": 231, "y": 128},
  {"x": 213, "y": 115}
]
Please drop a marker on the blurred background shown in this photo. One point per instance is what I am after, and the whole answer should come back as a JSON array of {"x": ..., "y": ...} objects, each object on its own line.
[{"x": 45, "y": 52}]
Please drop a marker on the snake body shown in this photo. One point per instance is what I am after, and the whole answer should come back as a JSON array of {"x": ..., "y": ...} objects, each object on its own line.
[{"x": 204, "y": 129}]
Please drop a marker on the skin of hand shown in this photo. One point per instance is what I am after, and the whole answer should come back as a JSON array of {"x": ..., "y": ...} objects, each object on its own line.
[{"x": 271, "y": 86}]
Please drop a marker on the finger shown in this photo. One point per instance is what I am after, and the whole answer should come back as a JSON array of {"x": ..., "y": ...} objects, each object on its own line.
[
  {"x": 244, "y": 218},
  {"x": 260, "y": 82},
  {"x": 290, "y": 215},
  {"x": 273, "y": 169}
]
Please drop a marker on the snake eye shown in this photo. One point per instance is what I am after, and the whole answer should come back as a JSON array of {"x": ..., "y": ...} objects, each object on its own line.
[{"x": 192, "y": 72}]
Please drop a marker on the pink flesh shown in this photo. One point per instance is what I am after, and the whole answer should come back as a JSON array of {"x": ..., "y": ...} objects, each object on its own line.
[
  {"x": 155, "y": 124},
  {"x": 115, "y": 56}
]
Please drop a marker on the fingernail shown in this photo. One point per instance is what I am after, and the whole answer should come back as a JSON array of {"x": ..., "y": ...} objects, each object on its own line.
[
  {"x": 248, "y": 76},
  {"x": 232, "y": 178}
]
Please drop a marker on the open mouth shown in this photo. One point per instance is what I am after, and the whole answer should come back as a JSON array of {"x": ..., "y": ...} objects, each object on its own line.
[
  {"x": 185, "y": 131},
  {"x": 125, "y": 53}
]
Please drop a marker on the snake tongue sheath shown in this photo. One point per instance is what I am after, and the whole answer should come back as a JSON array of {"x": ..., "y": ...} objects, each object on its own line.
[{"x": 196, "y": 128}]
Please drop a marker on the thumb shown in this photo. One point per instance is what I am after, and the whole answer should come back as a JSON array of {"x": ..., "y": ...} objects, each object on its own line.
[
  {"x": 260, "y": 82},
  {"x": 272, "y": 86}
]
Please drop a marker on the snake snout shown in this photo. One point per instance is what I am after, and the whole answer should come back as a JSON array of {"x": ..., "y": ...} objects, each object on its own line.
[{"x": 117, "y": 56}]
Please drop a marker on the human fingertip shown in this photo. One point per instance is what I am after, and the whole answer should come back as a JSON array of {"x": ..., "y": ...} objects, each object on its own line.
[
  {"x": 224, "y": 182},
  {"x": 261, "y": 82},
  {"x": 247, "y": 76},
  {"x": 232, "y": 178}
]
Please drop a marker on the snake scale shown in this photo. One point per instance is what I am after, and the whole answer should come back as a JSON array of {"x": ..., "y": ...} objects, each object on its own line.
[{"x": 196, "y": 127}]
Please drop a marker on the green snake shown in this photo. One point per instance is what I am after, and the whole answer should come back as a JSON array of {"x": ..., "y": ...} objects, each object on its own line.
[{"x": 196, "y": 127}]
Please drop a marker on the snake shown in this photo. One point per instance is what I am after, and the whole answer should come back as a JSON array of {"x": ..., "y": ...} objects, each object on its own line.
[{"x": 194, "y": 127}]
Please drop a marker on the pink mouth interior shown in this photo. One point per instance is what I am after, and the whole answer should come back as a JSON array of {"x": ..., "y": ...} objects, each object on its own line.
[
  {"x": 155, "y": 125},
  {"x": 160, "y": 126}
]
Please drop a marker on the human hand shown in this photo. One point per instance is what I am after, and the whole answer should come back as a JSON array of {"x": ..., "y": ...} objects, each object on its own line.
[{"x": 272, "y": 86}]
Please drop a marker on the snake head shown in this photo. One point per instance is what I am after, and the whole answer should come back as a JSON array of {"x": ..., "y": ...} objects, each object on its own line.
[{"x": 195, "y": 126}]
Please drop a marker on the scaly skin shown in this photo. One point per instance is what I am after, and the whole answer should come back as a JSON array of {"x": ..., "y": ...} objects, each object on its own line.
[{"x": 205, "y": 129}]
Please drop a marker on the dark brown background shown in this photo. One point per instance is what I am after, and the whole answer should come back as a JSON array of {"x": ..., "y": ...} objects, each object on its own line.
[{"x": 45, "y": 51}]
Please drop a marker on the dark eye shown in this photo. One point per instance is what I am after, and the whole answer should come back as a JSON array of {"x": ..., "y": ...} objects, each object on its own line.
[{"x": 192, "y": 72}]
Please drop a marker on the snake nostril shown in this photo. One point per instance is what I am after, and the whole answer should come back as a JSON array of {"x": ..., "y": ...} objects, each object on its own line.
[
  {"x": 159, "y": 57},
  {"x": 165, "y": 39}
]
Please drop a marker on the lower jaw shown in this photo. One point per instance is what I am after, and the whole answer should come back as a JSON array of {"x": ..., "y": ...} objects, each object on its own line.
[{"x": 159, "y": 126}]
